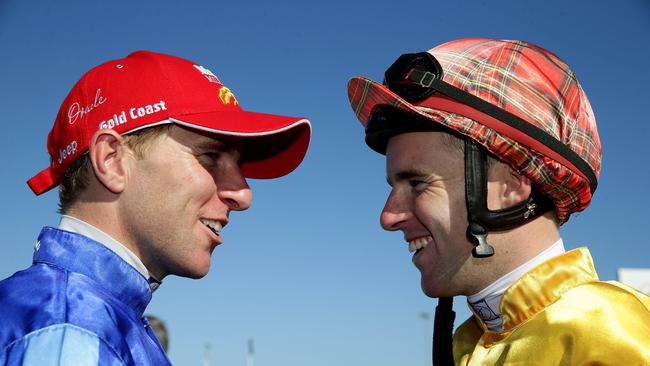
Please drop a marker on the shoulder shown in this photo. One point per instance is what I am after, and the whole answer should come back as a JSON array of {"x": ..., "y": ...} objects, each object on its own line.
[
  {"x": 603, "y": 308},
  {"x": 601, "y": 320},
  {"x": 605, "y": 300},
  {"x": 13, "y": 288},
  {"x": 609, "y": 304},
  {"x": 61, "y": 297},
  {"x": 60, "y": 345},
  {"x": 31, "y": 299},
  {"x": 622, "y": 291}
]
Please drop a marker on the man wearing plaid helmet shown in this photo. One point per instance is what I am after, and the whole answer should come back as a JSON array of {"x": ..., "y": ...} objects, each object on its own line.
[
  {"x": 151, "y": 153},
  {"x": 490, "y": 146}
]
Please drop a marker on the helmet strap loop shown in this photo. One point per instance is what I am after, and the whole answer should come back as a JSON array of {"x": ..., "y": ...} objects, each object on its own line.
[{"x": 480, "y": 218}]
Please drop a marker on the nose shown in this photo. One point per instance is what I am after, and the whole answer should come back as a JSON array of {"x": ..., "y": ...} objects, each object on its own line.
[
  {"x": 394, "y": 214},
  {"x": 234, "y": 191},
  {"x": 237, "y": 199}
]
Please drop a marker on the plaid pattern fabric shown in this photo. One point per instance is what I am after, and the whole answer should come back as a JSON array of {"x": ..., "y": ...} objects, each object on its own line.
[{"x": 525, "y": 80}]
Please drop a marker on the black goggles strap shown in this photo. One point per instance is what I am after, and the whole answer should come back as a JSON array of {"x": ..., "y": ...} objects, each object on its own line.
[{"x": 429, "y": 80}]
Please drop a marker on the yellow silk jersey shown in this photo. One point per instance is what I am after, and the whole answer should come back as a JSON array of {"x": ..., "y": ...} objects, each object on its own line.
[{"x": 559, "y": 313}]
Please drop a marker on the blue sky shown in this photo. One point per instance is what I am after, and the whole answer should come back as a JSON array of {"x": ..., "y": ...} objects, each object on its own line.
[{"x": 307, "y": 271}]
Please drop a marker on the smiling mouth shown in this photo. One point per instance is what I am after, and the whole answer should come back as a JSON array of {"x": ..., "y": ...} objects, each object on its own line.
[
  {"x": 419, "y": 243},
  {"x": 214, "y": 226}
]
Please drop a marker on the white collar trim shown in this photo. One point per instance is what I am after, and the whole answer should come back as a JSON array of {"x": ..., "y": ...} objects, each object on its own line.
[{"x": 75, "y": 225}]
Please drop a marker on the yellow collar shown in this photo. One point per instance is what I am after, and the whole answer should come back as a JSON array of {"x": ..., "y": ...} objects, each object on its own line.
[{"x": 544, "y": 284}]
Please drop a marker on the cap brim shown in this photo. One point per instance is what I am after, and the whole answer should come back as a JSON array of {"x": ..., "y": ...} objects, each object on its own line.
[
  {"x": 43, "y": 181},
  {"x": 366, "y": 95},
  {"x": 272, "y": 145}
]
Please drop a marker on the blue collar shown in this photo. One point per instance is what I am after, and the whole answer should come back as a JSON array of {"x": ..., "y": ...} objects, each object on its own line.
[{"x": 77, "y": 253}]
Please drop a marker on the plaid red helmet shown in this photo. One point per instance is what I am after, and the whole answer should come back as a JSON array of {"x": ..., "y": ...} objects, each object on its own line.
[{"x": 524, "y": 80}]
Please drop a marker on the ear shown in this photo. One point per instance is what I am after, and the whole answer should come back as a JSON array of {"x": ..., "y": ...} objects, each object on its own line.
[
  {"x": 506, "y": 187},
  {"x": 108, "y": 155}
]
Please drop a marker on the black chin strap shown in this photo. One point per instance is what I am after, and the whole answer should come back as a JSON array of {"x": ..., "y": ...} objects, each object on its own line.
[{"x": 480, "y": 218}]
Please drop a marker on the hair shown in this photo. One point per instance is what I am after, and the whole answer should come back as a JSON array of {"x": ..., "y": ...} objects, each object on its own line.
[
  {"x": 76, "y": 178},
  {"x": 456, "y": 143}
]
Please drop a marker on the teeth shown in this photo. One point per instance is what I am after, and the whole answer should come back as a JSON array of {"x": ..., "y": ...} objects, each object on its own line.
[
  {"x": 419, "y": 243},
  {"x": 215, "y": 226}
]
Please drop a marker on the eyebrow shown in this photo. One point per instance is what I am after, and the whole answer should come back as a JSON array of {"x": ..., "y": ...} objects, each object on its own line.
[
  {"x": 406, "y": 175},
  {"x": 213, "y": 145},
  {"x": 216, "y": 145}
]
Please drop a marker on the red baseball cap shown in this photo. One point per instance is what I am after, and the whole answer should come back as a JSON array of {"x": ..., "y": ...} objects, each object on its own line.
[{"x": 146, "y": 89}]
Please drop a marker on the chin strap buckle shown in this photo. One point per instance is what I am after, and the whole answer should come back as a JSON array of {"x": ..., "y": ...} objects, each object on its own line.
[
  {"x": 530, "y": 209},
  {"x": 478, "y": 234}
]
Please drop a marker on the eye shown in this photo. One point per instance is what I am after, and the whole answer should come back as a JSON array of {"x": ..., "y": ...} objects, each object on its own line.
[
  {"x": 418, "y": 185},
  {"x": 208, "y": 158},
  {"x": 213, "y": 155}
]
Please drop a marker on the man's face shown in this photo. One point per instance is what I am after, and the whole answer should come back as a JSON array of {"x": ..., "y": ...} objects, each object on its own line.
[
  {"x": 427, "y": 203},
  {"x": 178, "y": 197}
]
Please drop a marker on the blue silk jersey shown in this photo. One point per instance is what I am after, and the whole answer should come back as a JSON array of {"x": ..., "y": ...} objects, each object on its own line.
[{"x": 78, "y": 304}]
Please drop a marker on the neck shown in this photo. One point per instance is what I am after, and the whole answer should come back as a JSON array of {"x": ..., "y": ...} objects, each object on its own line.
[
  {"x": 103, "y": 216},
  {"x": 486, "y": 302},
  {"x": 512, "y": 249}
]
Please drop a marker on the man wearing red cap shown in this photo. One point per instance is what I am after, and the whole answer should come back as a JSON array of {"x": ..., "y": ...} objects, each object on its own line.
[
  {"x": 151, "y": 154},
  {"x": 490, "y": 146}
]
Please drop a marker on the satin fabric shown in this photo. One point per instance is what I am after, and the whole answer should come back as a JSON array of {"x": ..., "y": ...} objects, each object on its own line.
[
  {"x": 559, "y": 313},
  {"x": 78, "y": 284}
]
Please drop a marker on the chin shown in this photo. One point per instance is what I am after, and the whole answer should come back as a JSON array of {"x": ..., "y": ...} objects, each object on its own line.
[
  {"x": 195, "y": 275},
  {"x": 433, "y": 291},
  {"x": 202, "y": 272},
  {"x": 429, "y": 292},
  {"x": 195, "y": 272}
]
